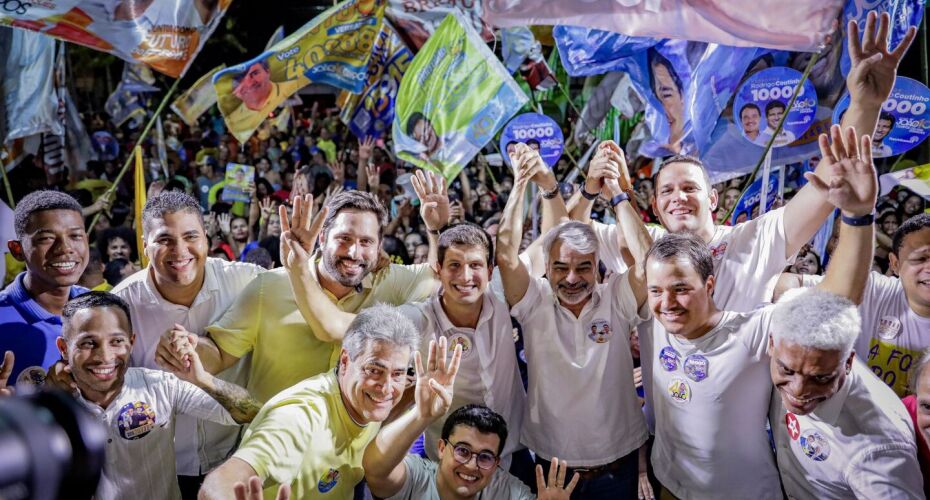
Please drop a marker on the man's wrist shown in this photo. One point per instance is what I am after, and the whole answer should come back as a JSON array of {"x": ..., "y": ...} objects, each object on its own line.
[{"x": 858, "y": 218}]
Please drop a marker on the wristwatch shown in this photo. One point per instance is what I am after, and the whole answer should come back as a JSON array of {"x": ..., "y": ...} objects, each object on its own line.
[
  {"x": 587, "y": 195},
  {"x": 549, "y": 194}
]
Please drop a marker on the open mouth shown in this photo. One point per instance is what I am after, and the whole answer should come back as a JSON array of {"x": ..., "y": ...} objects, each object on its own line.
[
  {"x": 681, "y": 211},
  {"x": 181, "y": 264},
  {"x": 672, "y": 315},
  {"x": 104, "y": 372},
  {"x": 467, "y": 478},
  {"x": 798, "y": 402},
  {"x": 64, "y": 267},
  {"x": 380, "y": 401},
  {"x": 351, "y": 266},
  {"x": 465, "y": 288}
]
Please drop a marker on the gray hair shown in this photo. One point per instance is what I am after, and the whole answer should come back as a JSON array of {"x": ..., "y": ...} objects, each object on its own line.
[
  {"x": 816, "y": 319},
  {"x": 380, "y": 323},
  {"x": 577, "y": 236},
  {"x": 916, "y": 370}
]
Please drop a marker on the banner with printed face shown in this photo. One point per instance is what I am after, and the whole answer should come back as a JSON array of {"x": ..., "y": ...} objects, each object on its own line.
[
  {"x": 748, "y": 205},
  {"x": 164, "y": 34},
  {"x": 334, "y": 48},
  {"x": 587, "y": 51},
  {"x": 196, "y": 100},
  {"x": 762, "y": 101},
  {"x": 416, "y": 20},
  {"x": 903, "y": 13},
  {"x": 27, "y": 86},
  {"x": 904, "y": 121},
  {"x": 538, "y": 132},
  {"x": 779, "y": 24},
  {"x": 371, "y": 113},
  {"x": 454, "y": 97}
]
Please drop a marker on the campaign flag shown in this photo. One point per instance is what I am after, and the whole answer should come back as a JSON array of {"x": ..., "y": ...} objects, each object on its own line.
[
  {"x": 196, "y": 100},
  {"x": 165, "y": 34},
  {"x": 753, "y": 196},
  {"x": 416, "y": 21},
  {"x": 521, "y": 51},
  {"x": 13, "y": 152},
  {"x": 917, "y": 179},
  {"x": 586, "y": 51},
  {"x": 334, "y": 49},
  {"x": 27, "y": 85},
  {"x": 371, "y": 113},
  {"x": 283, "y": 119},
  {"x": 799, "y": 25},
  {"x": 127, "y": 102},
  {"x": 538, "y": 132},
  {"x": 276, "y": 37},
  {"x": 139, "y": 202},
  {"x": 453, "y": 99},
  {"x": 904, "y": 14}
]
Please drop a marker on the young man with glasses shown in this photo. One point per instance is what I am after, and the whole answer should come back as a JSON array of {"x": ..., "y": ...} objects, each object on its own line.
[{"x": 473, "y": 437}]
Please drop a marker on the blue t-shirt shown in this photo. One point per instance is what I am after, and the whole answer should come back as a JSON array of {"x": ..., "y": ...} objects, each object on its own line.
[{"x": 30, "y": 331}]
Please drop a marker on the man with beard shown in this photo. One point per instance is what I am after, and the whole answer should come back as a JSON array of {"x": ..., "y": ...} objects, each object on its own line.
[
  {"x": 747, "y": 256},
  {"x": 265, "y": 319},
  {"x": 582, "y": 406}
]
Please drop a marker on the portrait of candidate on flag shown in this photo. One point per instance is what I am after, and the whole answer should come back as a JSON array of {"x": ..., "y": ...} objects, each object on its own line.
[{"x": 454, "y": 97}]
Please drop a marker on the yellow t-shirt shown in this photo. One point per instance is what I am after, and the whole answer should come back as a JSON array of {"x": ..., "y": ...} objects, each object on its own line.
[
  {"x": 102, "y": 287},
  {"x": 306, "y": 438},
  {"x": 265, "y": 321}
]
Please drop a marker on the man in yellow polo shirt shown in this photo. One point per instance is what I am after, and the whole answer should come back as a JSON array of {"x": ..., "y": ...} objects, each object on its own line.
[{"x": 313, "y": 435}]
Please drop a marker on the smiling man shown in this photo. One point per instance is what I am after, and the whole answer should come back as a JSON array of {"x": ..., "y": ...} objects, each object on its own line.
[{"x": 51, "y": 240}]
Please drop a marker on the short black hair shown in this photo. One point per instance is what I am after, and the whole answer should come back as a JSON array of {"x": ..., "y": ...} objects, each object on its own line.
[
  {"x": 238, "y": 77},
  {"x": 772, "y": 105},
  {"x": 690, "y": 160},
  {"x": 465, "y": 233},
  {"x": 168, "y": 202},
  {"x": 260, "y": 257},
  {"x": 354, "y": 200},
  {"x": 40, "y": 201},
  {"x": 94, "y": 258},
  {"x": 684, "y": 245},
  {"x": 655, "y": 58},
  {"x": 113, "y": 272},
  {"x": 749, "y": 105},
  {"x": 888, "y": 117},
  {"x": 479, "y": 417},
  {"x": 912, "y": 225},
  {"x": 93, "y": 300},
  {"x": 415, "y": 117}
]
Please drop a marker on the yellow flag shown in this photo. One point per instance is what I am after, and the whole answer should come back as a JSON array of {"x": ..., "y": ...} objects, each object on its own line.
[{"x": 140, "y": 203}]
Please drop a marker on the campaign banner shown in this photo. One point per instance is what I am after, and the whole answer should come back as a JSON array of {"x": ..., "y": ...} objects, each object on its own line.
[
  {"x": 371, "y": 113},
  {"x": 27, "y": 86},
  {"x": 916, "y": 179},
  {"x": 334, "y": 49},
  {"x": 762, "y": 101},
  {"x": 587, "y": 51},
  {"x": 453, "y": 99},
  {"x": 105, "y": 145},
  {"x": 165, "y": 34},
  {"x": 904, "y": 121},
  {"x": 749, "y": 202},
  {"x": 779, "y": 24},
  {"x": 196, "y": 100},
  {"x": 238, "y": 179},
  {"x": 415, "y": 21},
  {"x": 903, "y": 13},
  {"x": 536, "y": 131},
  {"x": 521, "y": 51}
]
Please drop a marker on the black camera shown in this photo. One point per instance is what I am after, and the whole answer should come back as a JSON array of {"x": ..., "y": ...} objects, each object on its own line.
[{"x": 50, "y": 448}]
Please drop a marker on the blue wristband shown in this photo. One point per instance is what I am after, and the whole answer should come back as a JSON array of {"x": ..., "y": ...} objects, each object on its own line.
[
  {"x": 863, "y": 220},
  {"x": 620, "y": 198},
  {"x": 587, "y": 195}
]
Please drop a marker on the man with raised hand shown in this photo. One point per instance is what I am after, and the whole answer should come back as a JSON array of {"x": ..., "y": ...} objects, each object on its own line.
[
  {"x": 749, "y": 255},
  {"x": 582, "y": 405},
  {"x": 707, "y": 375}
]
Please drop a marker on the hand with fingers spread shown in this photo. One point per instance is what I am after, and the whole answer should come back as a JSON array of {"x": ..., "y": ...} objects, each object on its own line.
[
  {"x": 851, "y": 184},
  {"x": 299, "y": 235},
  {"x": 434, "y": 199},
  {"x": 374, "y": 178},
  {"x": 555, "y": 489},
  {"x": 252, "y": 490},
  {"x": 873, "y": 66},
  {"x": 339, "y": 172},
  {"x": 211, "y": 225},
  {"x": 433, "y": 393},
  {"x": 6, "y": 369},
  {"x": 170, "y": 353},
  {"x": 365, "y": 147},
  {"x": 225, "y": 221},
  {"x": 267, "y": 208}
]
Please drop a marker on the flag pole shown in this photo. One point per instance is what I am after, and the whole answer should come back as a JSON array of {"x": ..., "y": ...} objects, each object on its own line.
[
  {"x": 6, "y": 184},
  {"x": 130, "y": 158}
]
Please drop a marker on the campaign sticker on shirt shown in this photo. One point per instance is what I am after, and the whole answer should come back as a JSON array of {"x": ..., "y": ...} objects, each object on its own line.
[
  {"x": 462, "y": 340},
  {"x": 135, "y": 420},
  {"x": 669, "y": 358},
  {"x": 794, "y": 428},
  {"x": 696, "y": 367},
  {"x": 717, "y": 252},
  {"x": 889, "y": 327},
  {"x": 33, "y": 376},
  {"x": 599, "y": 331},
  {"x": 763, "y": 100},
  {"x": 328, "y": 481},
  {"x": 904, "y": 120},
  {"x": 679, "y": 390},
  {"x": 814, "y": 445}
]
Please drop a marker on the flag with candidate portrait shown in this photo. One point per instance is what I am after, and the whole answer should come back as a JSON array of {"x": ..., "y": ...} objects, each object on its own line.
[
  {"x": 163, "y": 34},
  {"x": 416, "y": 21},
  {"x": 453, "y": 99},
  {"x": 333, "y": 49},
  {"x": 196, "y": 100}
]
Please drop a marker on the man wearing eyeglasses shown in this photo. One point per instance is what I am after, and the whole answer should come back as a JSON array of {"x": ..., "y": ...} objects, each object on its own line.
[{"x": 473, "y": 437}]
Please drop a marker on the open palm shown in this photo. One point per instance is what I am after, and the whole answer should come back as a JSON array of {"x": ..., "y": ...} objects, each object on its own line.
[
  {"x": 850, "y": 183},
  {"x": 872, "y": 66},
  {"x": 433, "y": 394}
]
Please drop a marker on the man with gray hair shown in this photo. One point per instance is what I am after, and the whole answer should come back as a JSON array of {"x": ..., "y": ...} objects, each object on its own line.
[
  {"x": 581, "y": 403},
  {"x": 313, "y": 435}
]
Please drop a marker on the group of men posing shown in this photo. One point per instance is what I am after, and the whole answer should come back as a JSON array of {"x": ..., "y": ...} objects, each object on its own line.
[{"x": 317, "y": 355}]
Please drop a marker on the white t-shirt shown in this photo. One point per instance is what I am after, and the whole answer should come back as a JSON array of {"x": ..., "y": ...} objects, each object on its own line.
[
  {"x": 200, "y": 446},
  {"x": 140, "y": 425},
  {"x": 746, "y": 258},
  {"x": 488, "y": 373},
  {"x": 711, "y": 400},
  {"x": 860, "y": 443},
  {"x": 893, "y": 336},
  {"x": 581, "y": 406},
  {"x": 421, "y": 483}
]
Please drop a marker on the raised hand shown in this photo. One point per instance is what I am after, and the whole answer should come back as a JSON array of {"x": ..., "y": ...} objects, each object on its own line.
[
  {"x": 617, "y": 158},
  {"x": 850, "y": 184},
  {"x": 555, "y": 489},
  {"x": 192, "y": 371},
  {"x": 528, "y": 159},
  {"x": 872, "y": 66},
  {"x": 267, "y": 209},
  {"x": 374, "y": 178},
  {"x": 59, "y": 377},
  {"x": 6, "y": 369},
  {"x": 339, "y": 171},
  {"x": 600, "y": 168},
  {"x": 169, "y": 353},
  {"x": 225, "y": 220},
  {"x": 303, "y": 227},
  {"x": 252, "y": 490},
  {"x": 434, "y": 199},
  {"x": 433, "y": 394},
  {"x": 211, "y": 225},
  {"x": 365, "y": 147}
]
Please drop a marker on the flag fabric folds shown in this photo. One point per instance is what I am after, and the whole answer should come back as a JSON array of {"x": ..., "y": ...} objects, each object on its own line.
[{"x": 196, "y": 100}]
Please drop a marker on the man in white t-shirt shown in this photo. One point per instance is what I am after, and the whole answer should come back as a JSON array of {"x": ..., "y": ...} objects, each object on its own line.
[
  {"x": 581, "y": 404},
  {"x": 895, "y": 311}
]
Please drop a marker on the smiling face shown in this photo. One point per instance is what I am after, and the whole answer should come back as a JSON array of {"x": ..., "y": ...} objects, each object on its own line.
[
  {"x": 118, "y": 248},
  {"x": 466, "y": 479},
  {"x": 255, "y": 87},
  {"x": 773, "y": 116},
  {"x": 177, "y": 247},
  {"x": 464, "y": 274},
  {"x": 572, "y": 274},
  {"x": 750, "y": 118},
  {"x": 425, "y": 134},
  {"x": 912, "y": 265},
  {"x": 54, "y": 249},
  {"x": 805, "y": 377},
  {"x": 97, "y": 343},
  {"x": 350, "y": 246},
  {"x": 684, "y": 201},
  {"x": 670, "y": 97},
  {"x": 373, "y": 383},
  {"x": 678, "y": 297},
  {"x": 881, "y": 130}
]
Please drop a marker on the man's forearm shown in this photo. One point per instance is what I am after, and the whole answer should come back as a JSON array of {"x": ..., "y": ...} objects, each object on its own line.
[
  {"x": 851, "y": 261},
  {"x": 210, "y": 356},
  {"x": 390, "y": 446},
  {"x": 510, "y": 231},
  {"x": 328, "y": 322},
  {"x": 237, "y": 401}
]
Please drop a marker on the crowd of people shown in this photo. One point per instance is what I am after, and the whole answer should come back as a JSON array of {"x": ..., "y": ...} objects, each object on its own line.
[{"x": 360, "y": 328}]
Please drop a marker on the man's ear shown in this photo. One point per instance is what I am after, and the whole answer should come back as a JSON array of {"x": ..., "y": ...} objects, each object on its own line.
[
  {"x": 892, "y": 262},
  {"x": 62, "y": 345},
  {"x": 16, "y": 249},
  {"x": 435, "y": 267},
  {"x": 714, "y": 198}
]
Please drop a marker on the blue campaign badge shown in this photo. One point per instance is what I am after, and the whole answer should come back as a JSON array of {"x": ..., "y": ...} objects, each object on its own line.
[
  {"x": 814, "y": 445},
  {"x": 328, "y": 481},
  {"x": 696, "y": 367},
  {"x": 135, "y": 420},
  {"x": 762, "y": 100},
  {"x": 669, "y": 358}
]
